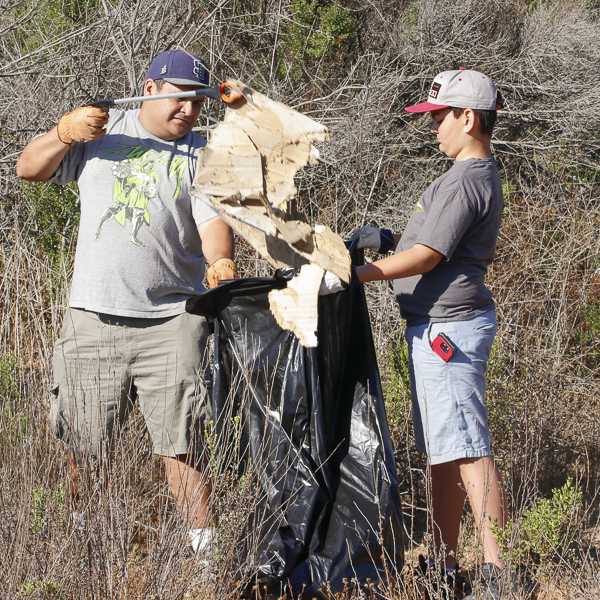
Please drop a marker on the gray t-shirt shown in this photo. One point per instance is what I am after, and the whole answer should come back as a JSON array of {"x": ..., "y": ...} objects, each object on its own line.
[
  {"x": 459, "y": 216},
  {"x": 138, "y": 251}
]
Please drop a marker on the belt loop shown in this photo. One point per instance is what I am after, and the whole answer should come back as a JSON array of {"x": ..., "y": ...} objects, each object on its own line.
[{"x": 429, "y": 326}]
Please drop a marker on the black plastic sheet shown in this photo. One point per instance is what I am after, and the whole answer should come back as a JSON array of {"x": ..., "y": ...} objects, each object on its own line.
[{"x": 313, "y": 430}]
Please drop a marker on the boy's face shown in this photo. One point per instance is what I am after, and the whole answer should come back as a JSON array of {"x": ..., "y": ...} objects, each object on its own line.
[{"x": 452, "y": 130}]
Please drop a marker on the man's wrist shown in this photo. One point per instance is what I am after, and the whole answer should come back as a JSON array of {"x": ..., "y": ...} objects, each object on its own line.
[
  {"x": 60, "y": 139},
  {"x": 222, "y": 260}
]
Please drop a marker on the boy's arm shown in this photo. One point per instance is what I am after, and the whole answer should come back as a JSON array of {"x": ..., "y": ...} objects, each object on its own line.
[
  {"x": 414, "y": 261},
  {"x": 42, "y": 156}
]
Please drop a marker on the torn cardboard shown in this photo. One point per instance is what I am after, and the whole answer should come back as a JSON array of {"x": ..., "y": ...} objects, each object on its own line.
[{"x": 247, "y": 174}]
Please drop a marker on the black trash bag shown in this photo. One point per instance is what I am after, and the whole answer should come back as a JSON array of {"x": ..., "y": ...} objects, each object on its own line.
[{"x": 310, "y": 425}]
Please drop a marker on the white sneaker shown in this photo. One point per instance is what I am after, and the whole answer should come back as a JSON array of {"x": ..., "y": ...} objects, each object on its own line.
[
  {"x": 201, "y": 539},
  {"x": 79, "y": 521}
]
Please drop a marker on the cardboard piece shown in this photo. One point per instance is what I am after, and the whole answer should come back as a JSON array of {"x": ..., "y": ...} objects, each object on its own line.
[{"x": 247, "y": 174}]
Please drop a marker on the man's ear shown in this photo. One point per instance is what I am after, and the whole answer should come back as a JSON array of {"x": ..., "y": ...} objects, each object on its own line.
[
  {"x": 470, "y": 120},
  {"x": 149, "y": 87}
]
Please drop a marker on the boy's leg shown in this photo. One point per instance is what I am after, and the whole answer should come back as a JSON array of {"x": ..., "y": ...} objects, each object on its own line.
[
  {"x": 483, "y": 486},
  {"x": 451, "y": 424},
  {"x": 482, "y": 481},
  {"x": 447, "y": 500}
]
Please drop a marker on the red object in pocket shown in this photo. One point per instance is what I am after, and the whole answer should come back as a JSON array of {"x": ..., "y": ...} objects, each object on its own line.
[{"x": 443, "y": 347}]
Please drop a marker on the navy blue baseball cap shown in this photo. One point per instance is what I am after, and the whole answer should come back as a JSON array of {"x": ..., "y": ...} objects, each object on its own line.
[{"x": 178, "y": 67}]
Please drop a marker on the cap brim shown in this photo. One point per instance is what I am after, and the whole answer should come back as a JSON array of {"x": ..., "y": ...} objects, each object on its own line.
[
  {"x": 183, "y": 81},
  {"x": 423, "y": 107}
]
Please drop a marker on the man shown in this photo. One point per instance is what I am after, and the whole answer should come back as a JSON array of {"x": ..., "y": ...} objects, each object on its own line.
[
  {"x": 438, "y": 272},
  {"x": 140, "y": 255}
]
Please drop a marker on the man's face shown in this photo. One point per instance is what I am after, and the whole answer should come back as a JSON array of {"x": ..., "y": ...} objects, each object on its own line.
[
  {"x": 450, "y": 130},
  {"x": 170, "y": 118}
]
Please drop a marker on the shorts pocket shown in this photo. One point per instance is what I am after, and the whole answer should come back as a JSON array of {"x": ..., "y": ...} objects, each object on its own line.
[
  {"x": 55, "y": 414},
  {"x": 56, "y": 409},
  {"x": 485, "y": 328}
]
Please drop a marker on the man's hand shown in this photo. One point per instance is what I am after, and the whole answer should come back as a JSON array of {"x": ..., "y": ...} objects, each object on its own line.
[
  {"x": 369, "y": 236},
  {"x": 217, "y": 247},
  {"x": 42, "y": 156},
  {"x": 83, "y": 124},
  {"x": 221, "y": 270}
]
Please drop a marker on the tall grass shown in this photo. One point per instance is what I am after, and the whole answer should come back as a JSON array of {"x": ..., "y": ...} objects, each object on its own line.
[{"x": 543, "y": 378}]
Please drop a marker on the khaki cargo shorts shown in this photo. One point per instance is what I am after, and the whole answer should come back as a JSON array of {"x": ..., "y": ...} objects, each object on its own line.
[{"x": 102, "y": 365}]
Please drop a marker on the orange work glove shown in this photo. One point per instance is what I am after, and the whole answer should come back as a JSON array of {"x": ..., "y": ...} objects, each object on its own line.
[
  {"x": 221, "y": 269},
  {"x": 83, "y": 124}
]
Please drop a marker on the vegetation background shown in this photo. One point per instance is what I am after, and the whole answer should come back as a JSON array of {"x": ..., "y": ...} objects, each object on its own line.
[{"x": 352, "y": 65}]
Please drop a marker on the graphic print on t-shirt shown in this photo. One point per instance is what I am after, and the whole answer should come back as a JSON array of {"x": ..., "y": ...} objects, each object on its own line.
[{"x": 136, "y": 189}]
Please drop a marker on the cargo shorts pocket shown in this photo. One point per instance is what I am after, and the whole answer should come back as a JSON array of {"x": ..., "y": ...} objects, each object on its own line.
[
  {"x": 56, "y": 415},
  {"x": 56, "y": 418}
]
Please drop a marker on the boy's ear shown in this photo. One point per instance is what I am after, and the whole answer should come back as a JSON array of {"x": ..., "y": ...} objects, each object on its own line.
[{"x": 470, "y": 120}]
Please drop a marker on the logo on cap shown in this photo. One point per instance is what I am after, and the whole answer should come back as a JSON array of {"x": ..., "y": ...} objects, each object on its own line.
[
  {"x": 163, "y": 70},
  {"x": 435, "y": 89},
  {"x": 197, "y": 68}
]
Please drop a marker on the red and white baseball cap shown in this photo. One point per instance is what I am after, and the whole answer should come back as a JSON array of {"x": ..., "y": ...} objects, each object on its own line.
[{"x": 459, "y": 89}]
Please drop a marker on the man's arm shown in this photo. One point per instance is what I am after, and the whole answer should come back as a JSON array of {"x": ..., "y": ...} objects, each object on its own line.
[
  {"x": 217, "y": 240},
  {"x": 414, "y": 261},
  {"x": 217, "y": 247},
  {"x": 42, "y": 156}
]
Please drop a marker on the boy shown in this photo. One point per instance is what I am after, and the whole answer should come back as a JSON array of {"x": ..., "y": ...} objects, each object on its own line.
[{"x": 438, "y": 273}]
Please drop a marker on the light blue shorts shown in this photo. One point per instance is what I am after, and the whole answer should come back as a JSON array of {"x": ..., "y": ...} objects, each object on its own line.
[{"x": 449, "y": 413}]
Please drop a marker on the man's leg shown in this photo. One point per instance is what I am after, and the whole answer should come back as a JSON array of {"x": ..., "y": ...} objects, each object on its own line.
[
  {"x": 191, "y": 491},
  {"x": 73, "y": 476},
  {"x": 90, "y": 391},
  {"x": 174, "y": 402}
]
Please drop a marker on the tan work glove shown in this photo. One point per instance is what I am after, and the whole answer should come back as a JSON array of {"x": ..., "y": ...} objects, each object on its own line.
[
  {"x": 83, "y": 124},
  {"x": 221, "y": 269}
]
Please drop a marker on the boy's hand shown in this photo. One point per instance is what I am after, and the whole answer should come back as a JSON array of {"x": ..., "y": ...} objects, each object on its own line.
[
  {"x": 370, "y": 236},
  {"x": 83, "y": 124}
]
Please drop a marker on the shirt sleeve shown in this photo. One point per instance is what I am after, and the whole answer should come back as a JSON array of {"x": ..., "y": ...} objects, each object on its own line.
[
  {"x": 70, "y": 166},
  {"x": 448, "y": 218},
  {"x": 202, "y": 211}
]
